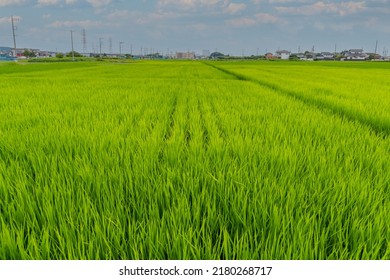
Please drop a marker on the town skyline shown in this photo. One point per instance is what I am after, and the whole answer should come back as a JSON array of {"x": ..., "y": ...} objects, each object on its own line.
[{"x": 231, "y": 27}]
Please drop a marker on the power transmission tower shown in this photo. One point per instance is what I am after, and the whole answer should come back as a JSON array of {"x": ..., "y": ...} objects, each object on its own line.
[
  {"x": 84, "y": 34},
  {"x": 100, "y": 46},
  {"x": 110, "y": 45}
]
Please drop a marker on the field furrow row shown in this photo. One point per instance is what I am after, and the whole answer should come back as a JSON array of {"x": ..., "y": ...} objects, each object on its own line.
[
  {"x": 346, "y": 99},
  {"x": 180, "y": 160}
]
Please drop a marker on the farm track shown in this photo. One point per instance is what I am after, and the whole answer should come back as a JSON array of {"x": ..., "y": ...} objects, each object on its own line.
[{"x": 380, "y": 129}]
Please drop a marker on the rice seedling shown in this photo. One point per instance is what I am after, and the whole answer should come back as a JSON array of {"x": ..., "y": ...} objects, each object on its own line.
[
  {"x": 179, "y": 160},
  {"x": 358, "y": 91}
]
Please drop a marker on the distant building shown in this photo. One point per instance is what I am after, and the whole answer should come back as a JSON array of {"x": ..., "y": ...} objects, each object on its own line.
[
  {"x": 355, "y": 54},
  {"x": 270, "y": 56},
  {"x": 185, "y": 55},
  {"x": 21, "y": 51},
  {"x": 318, "y": 56},
  {"x": 283, "y": 54},
  {"x": 46, "y": 54},
  {"x": 205, "y": 53},
  {"x": 6, "y": 53},
  {"x": 301, "y": 56},
  {"x": 327, "y": 55},
  {"x": 375, "y": 56}
]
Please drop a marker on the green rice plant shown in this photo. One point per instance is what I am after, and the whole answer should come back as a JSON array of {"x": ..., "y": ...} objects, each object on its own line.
[
  {"x": 358, "y": 91},
  {"x": 178, "y": 160}
]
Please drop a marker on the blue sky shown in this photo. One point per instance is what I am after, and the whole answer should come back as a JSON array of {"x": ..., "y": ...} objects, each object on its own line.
[{"x": 229, "y": 26}]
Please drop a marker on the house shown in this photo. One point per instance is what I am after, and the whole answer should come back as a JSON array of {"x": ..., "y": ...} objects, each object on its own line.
[
  {"x": 355, "y": 55},
  {"x": 5, "y": 51},
  {"x": 46, "y": 54},
  {"x": 374, "y": 56},
  {"x": 6, "y": 54},
  {"x": 301, "y": 56},
  {"x": 185, "y": 55},
  {"x": 270, "y": 56},
  {"x": 327, "y": 55},
  {"x": 283, "y": 54},
  {"x": 318, "y": 56},
  {"x": 309, "y": 56}
]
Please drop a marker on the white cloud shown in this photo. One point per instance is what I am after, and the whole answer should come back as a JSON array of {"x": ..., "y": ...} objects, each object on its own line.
[
  {"x": 4, "y": 20},
  {"x": 259, "y": 18},
  {"x": 118, "y": 15},
  {"x": 141, "y": 18},
  {"x": 7, "y": 20},
  {"x": 47, "y": 2},
  {"x": 342, "y": 8},
  {"x": 77, "y": 23},
  {"x": 189, "y": 4},
  {"x": 234, "y": 8},
  {"x": 10, "y": 2},
  {"x": 94, "y": 3},
  {"x": 99, "y": 3},
  {"x": 54, "y": 2},
  {"x": 291, "y": 1},
  {"x": 266, "y": 18}
]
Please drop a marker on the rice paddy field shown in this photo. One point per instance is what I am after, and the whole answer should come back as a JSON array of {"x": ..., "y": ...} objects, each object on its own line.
[{"x": 195, "y": 160}]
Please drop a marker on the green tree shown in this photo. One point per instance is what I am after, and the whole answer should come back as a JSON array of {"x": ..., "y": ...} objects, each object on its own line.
[
  {"x": 28, "y": 53},
  {"x": 76, "y": 54}
]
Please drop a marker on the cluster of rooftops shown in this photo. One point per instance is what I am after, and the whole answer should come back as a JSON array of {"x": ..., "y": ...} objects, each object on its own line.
[{"x": 352, "y": 54}]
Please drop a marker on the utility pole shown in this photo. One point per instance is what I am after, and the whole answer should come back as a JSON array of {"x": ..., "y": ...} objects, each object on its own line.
[
  {"x": 13, "y": 33},
  {"x": 71, "y": 39},
  {"x": 120, "y": 48},
  {"x": 376, "y": 46}
]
